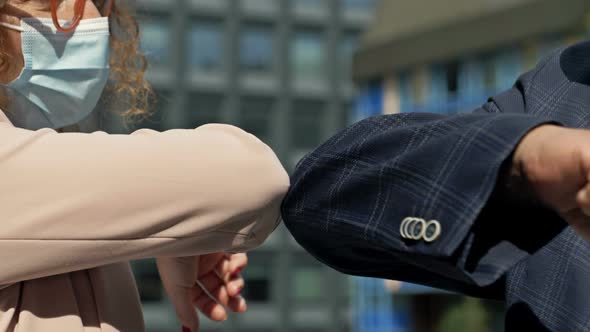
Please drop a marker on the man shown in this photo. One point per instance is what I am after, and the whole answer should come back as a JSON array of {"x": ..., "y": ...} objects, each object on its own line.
[{"x": 494, "y": 203}]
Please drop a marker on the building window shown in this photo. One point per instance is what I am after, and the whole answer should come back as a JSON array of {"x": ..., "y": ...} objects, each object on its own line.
[
  {"x": 421, "y": 81},
  {"x": 489, "y": 74},
  {"x": 255, "y": 117},
  {"x": 348, "y": 45},
  {"x": 308, "y": 4},
  {"x": 346, "y": 115},
  {"x": 155, "y": 40},
  {"x": 369, "y": 102},
  {"x": 472, "y": 80},
  {"x": 307, "y": 280},
  {"x": 307, "y": 119},
  {"x": 148, "y": 281},
  {"x": 257, "y": 48},
  {"x": 203, "y": 108},
  {"x": 210, "y": 4},
  {"x": 452, "y": 73},
  {"x": 508, "y": 65},
  {"x": 359, "y": 5},
  {"x": 258, "y": 288},
  {"x": 308, "y": 54},
  {"x": 267, "y": 6},
  {"x": 205, "y": 45}
]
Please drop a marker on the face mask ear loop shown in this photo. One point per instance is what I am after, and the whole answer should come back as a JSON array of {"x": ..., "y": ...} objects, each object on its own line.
[
  {"x": 79, "y": 7},
  {"x": 12, "y": 26}
]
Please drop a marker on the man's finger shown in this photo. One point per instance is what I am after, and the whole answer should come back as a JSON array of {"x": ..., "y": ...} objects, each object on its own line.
[
  {"x": 579, "y": 221},
  {"x": 583, "y": 200}
]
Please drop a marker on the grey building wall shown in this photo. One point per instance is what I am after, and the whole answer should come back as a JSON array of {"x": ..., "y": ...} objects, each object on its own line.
[{"x": 281, "y": 70}]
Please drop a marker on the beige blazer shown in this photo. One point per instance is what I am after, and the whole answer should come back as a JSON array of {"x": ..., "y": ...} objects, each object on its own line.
[{"x": 75, "y": 208}]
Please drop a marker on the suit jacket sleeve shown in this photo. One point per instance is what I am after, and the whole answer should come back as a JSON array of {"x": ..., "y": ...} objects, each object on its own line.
[
  {"x": 73, "y": 201},
  {"x": 350, "y": 196}
]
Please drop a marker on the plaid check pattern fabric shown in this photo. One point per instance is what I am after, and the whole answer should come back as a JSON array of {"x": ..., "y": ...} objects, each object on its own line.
[{"x": 350, "y": 196}]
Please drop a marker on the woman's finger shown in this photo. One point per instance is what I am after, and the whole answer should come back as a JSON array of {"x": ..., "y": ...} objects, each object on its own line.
[
  {"x": 208, "y": 262},
  {"x": 237, "y": 263},
  {"x": 223, "y": 267},
  {"x": 235, "y": 286},
  {"x": 221, "y": 296},
  {"x": 237, "y": 304},
  {"x": 222, "y": 292},
  {"x": 210, "y": 283},
  {"x": 211, "y": 309},
  {"x": 178, "y": 275}
]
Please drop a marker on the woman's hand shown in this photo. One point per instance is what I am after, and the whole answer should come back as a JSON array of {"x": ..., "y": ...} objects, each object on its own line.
[{"x": 217, "y": 274}]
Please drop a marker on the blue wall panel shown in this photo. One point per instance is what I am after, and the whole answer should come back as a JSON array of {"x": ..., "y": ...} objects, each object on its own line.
[{"x": 369, "y": 102}]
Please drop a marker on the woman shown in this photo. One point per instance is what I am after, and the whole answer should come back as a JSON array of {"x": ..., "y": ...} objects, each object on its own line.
[{"x": 76, "y": 207}]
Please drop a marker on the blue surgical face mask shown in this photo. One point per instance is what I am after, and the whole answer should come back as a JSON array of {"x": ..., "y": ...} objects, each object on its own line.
[{"x": 64, "y": 74}]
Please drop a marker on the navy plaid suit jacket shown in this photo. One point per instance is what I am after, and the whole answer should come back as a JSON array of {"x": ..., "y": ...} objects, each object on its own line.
[{"x": 350, "y": 196}]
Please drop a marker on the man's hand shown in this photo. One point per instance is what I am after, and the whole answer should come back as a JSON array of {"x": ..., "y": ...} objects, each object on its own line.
[
  {"x": 555, "y": 164},
  {"x": 219, "y": 274}
]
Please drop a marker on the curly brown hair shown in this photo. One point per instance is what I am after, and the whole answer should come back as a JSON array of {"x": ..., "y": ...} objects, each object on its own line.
[
  {"x": 128, "y": 65},
  {"x": 127, "y": 83}
]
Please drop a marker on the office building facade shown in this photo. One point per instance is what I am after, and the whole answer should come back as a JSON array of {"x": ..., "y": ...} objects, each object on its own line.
[{"x": 279, "y": 69}]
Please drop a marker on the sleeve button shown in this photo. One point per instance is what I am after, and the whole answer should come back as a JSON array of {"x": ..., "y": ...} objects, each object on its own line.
[{"x": 432, "y": 231}]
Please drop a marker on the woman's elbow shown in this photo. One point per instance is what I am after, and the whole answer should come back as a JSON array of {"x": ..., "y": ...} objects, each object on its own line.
[
  {"x": 268, "y": 183},
  {"x": 256, "y": 185},
  {"x": 260, "y": 176}
]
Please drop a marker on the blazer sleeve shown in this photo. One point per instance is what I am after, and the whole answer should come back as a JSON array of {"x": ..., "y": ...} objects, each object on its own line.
[
  {"x": 349, "y": 198},
  {"x": 72, "y": 201}
]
